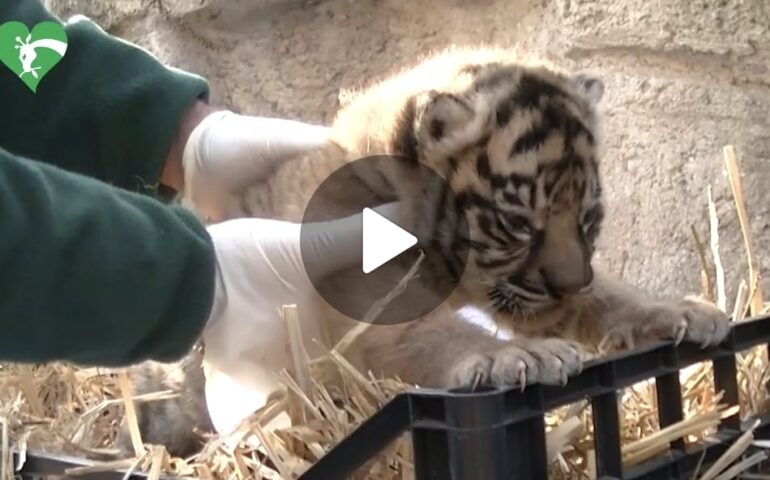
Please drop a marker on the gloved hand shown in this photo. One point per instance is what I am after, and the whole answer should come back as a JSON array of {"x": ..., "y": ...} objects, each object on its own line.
[
  {"x": 225, "y": 152},
  {"x": 260, "y": 269}
]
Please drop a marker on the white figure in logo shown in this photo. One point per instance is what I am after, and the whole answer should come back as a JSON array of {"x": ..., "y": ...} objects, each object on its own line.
[{"x": 27, "y": 53}]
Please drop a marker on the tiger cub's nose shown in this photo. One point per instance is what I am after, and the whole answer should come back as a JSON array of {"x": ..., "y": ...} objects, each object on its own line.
[{"x": 567, "y": 280}]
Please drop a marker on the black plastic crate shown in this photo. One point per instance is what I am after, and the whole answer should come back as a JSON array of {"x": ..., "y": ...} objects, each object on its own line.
[{"x": 499, "y": 433}]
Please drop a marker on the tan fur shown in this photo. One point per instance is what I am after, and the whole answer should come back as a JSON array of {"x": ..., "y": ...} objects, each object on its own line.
[{"x": 441, "y": 350}]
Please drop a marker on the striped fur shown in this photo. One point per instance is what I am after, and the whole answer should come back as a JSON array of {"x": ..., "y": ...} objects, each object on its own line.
[{"x": 518, "y": 147}]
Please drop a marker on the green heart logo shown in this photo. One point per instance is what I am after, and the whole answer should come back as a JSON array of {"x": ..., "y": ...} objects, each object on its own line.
[{"x": 31, "y": 55}]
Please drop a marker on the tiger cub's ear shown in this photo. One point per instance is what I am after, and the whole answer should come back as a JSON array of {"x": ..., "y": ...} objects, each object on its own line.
[
  {"x": 590, "y": 87},
  {"x": 446, "y": 123},
  {"x": 443, "y": 115}
]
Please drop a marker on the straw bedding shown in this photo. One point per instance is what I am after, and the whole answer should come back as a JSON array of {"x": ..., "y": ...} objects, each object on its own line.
[{"x": 66, "y": 409}]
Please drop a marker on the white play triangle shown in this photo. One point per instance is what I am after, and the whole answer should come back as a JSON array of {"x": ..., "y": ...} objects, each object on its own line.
[{"x": 383, "y": 240}]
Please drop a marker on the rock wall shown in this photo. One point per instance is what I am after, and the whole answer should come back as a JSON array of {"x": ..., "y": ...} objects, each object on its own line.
[{"x": 683, "y": 78}]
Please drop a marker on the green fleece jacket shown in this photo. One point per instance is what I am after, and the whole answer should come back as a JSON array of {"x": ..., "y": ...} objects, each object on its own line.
[{"x": 95, "y": 270}]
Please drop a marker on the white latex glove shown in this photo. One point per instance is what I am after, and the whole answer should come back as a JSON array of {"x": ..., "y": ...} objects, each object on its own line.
[
  {"x": 227, "y": 151},
  {"x": 260, "y": 269}
]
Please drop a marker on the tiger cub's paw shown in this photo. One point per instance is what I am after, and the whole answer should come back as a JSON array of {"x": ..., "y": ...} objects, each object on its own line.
[
  {"x": 520, "y": 362},
  {"x": 691, "y": 320}
]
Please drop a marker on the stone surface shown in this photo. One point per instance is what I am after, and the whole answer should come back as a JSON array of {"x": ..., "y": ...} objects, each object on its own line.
[{"x": 683, "y": 78}]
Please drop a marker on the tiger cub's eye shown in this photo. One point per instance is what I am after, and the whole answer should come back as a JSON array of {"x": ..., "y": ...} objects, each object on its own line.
[
  {"x": 516, "y": 224},
  {"x": 591, "y": 219}
]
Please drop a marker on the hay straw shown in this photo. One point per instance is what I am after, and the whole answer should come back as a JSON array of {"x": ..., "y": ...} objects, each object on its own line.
[
  {"x": 732, "y": 453},
  {"x": 272, "y": 452},
  {"x": 719, "y": 269},
  {"x": 741, "y": 298},
  {"x": 563, "y": 435},
  {"x": 378, "y": 307},
  {"x": 647, "y": 447},
  {"x": 158, "y": 457},
  {"x": 706, "y": 282},
  {"x": 103, "y": 467},
  {"x": 742, "y": 466},
  {"x": 133, "y": 424},
  {"x": 734, "y": 176},
  {"x": 132, "y": 468},
  {"x": 7, "y": 455}
]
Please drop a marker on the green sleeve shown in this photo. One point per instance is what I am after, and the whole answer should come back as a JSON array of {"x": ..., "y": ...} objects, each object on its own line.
[
  {"x": 90, "y": 273},
  {"x": 94, "y": 274},
  {"x": 108, "y": 109}
]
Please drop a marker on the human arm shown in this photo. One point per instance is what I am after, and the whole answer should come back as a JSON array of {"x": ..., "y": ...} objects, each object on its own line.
[
  {"x": 94, "y": 274},
  {"x": 108, "y": 109}
]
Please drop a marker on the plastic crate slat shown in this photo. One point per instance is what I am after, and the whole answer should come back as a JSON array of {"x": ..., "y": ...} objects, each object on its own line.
[
  {"x": 726, "y": 380},
  {"x": 431, "y": 454},
  {"x": 749, "y": 333},
  {"x": 364, "y": 442},
  {"x": 606, "y": 421},
  {"x": 478, "y": 442},
  {"x": 471, "y": 411},
  {"x": 538, "y": 449},
  {"x": 668, "y": 393}
]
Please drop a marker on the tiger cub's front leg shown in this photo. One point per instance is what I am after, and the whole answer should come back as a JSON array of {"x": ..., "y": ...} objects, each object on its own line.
[
  {"x": 442, "y": 350},
  {"x": 622, "y": 316}
]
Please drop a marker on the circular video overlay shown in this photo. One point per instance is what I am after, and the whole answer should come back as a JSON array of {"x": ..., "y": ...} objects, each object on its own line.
[{"x": 395, "y": 212}]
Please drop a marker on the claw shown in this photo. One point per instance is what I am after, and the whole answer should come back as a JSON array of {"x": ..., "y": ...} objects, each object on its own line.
[
  {"x": 618, "y": 338},
  {"x": 681, "y": 331},
  {"x": 580, "y": 355},
  {"x": 523, "y": 375},
  {"x": 559, "y": 364},
  {"x": 627, "y": 336},
  {"x": 708, "y": 342},
  {"x": 476, "y": 381},
  {"x": 603, "y": 343},
  {"x": 607, "y": 341}
]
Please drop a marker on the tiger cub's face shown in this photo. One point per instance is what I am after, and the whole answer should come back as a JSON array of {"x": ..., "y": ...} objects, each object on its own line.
[{"x": 518, "y": 147}]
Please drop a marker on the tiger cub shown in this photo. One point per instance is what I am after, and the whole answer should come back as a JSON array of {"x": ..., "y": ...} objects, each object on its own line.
[{"x": 517, "y": 142}]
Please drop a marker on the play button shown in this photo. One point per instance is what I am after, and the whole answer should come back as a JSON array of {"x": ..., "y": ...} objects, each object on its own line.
[
  {"x": 383, "y": 240},
  {"x": 392, "y": 238}
]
